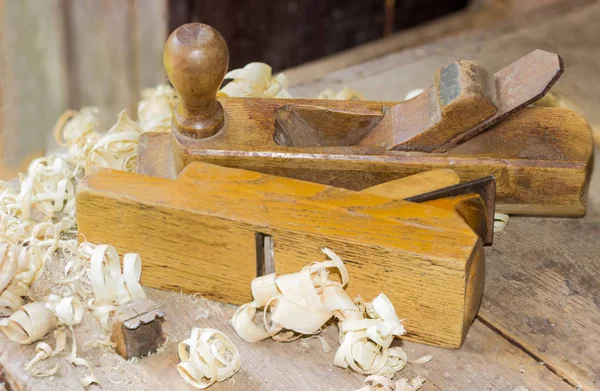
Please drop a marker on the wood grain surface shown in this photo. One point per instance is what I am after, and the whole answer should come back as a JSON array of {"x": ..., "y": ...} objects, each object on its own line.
[
  {"x": 412, "y": 185},
  {"x": 487, "y": 361},
  {"x": 180, "y": 227},
  {"x": 547, "y": 177},
  {"x": 544, "y": 294}
]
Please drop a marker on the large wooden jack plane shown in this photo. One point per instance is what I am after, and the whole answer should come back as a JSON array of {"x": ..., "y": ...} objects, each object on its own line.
[
  {"x": 468, "y": 122},
  {"x": 244, "y": 187}
]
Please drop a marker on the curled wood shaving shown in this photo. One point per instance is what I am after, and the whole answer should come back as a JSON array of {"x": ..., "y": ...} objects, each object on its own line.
[
  {"x": 413, "y": 93},
  {"x": 255, "y": 80},
  {"x": 73, "y": 359},
  {"x": 382, "y": 383},
  {"x": 43, "y": 352},
  {"x": 8, "y": 263},
  {"x": 365, "y": 340},
  {"x": 292, "y": 300},
  {"x": 500, "y": 221},
  {"x": 155, "y": 109},
  {"x": 68, "y": 310},
  {"x": 206, "y": 357},
  {"x": 301, "y": 303},
  {"x": 118, "y": 148},
  {"x": 112, "y": 288},
  {"x": 29, "y": 324},
  {"x": 78, "y": 131},
  {"x": 345, "y": 93}
]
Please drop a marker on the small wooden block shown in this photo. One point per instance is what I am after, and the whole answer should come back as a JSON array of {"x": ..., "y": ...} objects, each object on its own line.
[
  {"x": 137, "y": 329},
  {"x": 198, "y": 233}
]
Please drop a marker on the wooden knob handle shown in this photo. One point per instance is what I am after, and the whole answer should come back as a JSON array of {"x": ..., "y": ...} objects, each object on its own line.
[{"x": 196, "y": 60}]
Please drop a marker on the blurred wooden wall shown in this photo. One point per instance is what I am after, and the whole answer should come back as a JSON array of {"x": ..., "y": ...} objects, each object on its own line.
[
  {"x": 60, "y": 54},
  {"x": 286, "y": 33}
]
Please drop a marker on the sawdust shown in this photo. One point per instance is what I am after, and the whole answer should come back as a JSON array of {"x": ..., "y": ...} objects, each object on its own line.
[{"x": 48, "y": 282}]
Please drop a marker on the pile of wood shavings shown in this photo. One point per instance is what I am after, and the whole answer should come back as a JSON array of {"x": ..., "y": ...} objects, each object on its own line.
[
  {"x": 44, "y": 274},
  {"x": 47, "y": 280},
  {"x": 301, "y": 303}
]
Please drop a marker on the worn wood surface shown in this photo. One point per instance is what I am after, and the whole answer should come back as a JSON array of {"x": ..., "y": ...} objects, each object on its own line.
[
  {"x": 415, "y": 184},
  {"x": 262, "y": 134},
  {"x": 432, "y": 253},
  {"x": 112, "y": 52},
  {"x": 32, "y": 80},
  {"x": 479, "y": 14},
  {"x": 523, "y": 175},
  {"x": 486, "y": 361}
]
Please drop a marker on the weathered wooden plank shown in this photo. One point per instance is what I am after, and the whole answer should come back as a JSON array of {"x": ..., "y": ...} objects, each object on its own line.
[
  {"x": 100, "y": 56},
  {"x": 544, "y": 292},
  {"x": 32, "y": 78},
  {"x": 486, "y": 362},
  {"x": 115, "y": 50},
  {"x": 149, "y": 35}
]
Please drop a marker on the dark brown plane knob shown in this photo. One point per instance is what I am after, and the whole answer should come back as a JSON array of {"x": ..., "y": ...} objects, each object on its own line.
[{"x": 196, "y": 60}]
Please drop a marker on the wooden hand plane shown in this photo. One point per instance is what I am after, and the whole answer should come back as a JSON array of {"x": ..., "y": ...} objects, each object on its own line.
[
  {"x": 467, "y": 121},
  {"x": 214, "y": 229}
]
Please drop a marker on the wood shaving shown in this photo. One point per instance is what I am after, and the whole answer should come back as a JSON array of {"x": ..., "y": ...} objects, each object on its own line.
[
  {"x": 155, "y": 109},
  {"x": 500, "y": 221},
  {"x": 78, "y": 131},
  {"x": 43, "y": 352},
  {"x": 111, "y": 287},
  {"x": 302, "y": 303},
  {"x": 255, "y": 80},
  {"x": 366, "y": 336},
  {"x": 293, "y": 302},
  {"x": 28, "y": 324},
  {"x": 208, "y": 356},
  {"x": 413, "y": 93},
  {"x": 382, "y": 383},
  {"x": 345, "y": 93},
  {"x": 118, "y": 148}
]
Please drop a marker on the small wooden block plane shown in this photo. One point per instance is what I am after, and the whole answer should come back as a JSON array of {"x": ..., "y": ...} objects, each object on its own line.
[
  {"x": 471, "y": 121},
  {"x": 214, "y": 229}
]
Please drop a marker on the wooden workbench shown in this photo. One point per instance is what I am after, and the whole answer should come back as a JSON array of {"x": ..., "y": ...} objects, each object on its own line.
[{"x": 539, "y": 325}]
